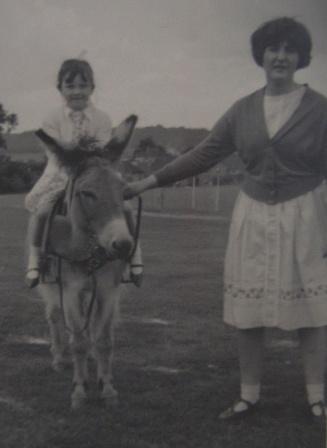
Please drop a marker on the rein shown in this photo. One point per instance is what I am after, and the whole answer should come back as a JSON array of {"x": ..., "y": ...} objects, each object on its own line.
[
  {"x": 94, "y": 261},
  {"x": 136, "y": 236},
  {"x": 90, "y": 307}
]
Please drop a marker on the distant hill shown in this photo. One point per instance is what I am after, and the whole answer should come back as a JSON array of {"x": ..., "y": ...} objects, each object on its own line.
[
  {"x": 178, "y": 139},
  {"x": 25, "y": 142},
  {"x": 175, "y": 140}
]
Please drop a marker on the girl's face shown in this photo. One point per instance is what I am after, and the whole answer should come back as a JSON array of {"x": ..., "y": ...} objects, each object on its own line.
[
  {"x": 76, "y": 92},
  {"x": 280, "y": 63}
]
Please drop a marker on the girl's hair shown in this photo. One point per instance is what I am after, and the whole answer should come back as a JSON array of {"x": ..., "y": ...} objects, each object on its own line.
[
  {"x": 72, "y": 68},
  {"x": 284, "y": 29}
]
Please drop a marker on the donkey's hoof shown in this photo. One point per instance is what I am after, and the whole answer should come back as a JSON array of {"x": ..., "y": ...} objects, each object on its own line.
[
  {"x": 109, "y": 402},
  {"x": 60, "y": 364},
  {"x": 107, "y": 394},
  {"x": 79, "y": 397},
  {"x": 78, "y": 403}
]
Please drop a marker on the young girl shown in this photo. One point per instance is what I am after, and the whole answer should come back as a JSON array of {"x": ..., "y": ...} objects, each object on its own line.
[{"x": 77, "y": 118}]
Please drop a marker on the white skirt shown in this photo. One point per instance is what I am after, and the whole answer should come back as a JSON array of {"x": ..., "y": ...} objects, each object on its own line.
[{"x": 275, "y": 269}]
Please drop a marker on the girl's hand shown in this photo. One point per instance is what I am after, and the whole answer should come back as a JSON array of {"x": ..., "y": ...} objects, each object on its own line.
[{"x": 135, "y": 188}]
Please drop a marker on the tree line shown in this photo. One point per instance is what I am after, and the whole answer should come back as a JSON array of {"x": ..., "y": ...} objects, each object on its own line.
[{"x": 15, "y": 176}]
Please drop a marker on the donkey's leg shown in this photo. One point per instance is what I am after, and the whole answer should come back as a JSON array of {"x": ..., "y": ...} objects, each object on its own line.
[
  {"x": 79, "y": 341},
  {"x": 79, "y": 347},
  {"x": 56, "y": 325},
  {"x": 103, "y": 342}
]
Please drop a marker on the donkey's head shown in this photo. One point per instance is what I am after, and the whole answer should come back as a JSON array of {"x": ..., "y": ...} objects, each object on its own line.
[{"x": 95, "y": 193}]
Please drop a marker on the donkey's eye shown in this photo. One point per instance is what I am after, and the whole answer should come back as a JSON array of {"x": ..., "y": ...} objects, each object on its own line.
[{"x": 87, "y": 195}]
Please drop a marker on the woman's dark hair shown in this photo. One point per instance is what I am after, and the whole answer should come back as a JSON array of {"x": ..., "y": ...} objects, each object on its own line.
[
  {"x": 284, "y": 29},
  {"x": 72, "y": 68}
]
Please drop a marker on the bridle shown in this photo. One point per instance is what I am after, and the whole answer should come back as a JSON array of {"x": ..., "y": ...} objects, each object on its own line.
[{"x": 96, "y": 256}]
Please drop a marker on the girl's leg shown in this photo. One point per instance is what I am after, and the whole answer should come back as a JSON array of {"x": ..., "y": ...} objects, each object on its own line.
[
  {"x": 137, "y": 266},
  {"x": 35, "y": 235},
  {"x": 313, "y": 345},
  {"x": 250, "y": 347}
]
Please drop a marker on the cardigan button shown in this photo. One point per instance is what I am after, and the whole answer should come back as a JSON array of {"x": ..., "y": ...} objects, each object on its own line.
[{"x": 272, "y": 197}]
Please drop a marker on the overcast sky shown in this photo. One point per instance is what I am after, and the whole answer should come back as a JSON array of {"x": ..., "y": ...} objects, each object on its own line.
[{"x": 172, "y": 62}]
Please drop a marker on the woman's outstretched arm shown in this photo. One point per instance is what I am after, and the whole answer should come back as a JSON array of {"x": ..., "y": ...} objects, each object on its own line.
[
  {"x": 135, "y": 188},
  {"x": 218, "y": 145}
]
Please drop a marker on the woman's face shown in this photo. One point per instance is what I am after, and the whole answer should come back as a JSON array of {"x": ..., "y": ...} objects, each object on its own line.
[
  {"x": 280, "y": 62},
  {"x": 76, "y": 92}
]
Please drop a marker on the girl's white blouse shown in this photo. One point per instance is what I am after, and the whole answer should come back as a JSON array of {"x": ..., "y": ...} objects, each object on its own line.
[{"x": 66, "y": 128}]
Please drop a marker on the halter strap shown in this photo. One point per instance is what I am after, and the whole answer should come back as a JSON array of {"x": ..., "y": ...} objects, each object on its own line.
[{"x": 96, "y": 256}]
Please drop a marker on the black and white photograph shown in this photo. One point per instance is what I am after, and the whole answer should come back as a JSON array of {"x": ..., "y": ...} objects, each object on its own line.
[{"x": 163, "y": 231}]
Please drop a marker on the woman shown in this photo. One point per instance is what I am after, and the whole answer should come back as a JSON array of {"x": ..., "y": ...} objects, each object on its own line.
[{"x": 275, "y": 266}]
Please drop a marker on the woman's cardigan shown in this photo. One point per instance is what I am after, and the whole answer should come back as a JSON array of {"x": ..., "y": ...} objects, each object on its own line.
[{"x": 291, "y": 163}]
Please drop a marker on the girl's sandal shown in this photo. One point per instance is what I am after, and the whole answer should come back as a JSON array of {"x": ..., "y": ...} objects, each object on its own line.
[
  {"x": 137, "y": 274},
  {"x": 232, "y": 413},
  {"x": 32, "y": 277}
]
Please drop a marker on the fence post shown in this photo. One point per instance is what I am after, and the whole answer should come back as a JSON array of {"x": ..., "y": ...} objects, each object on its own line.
[
  {"x": 162, "y": 199},
  {"x": 193, "y": 193},
  {"x": 217, "y": 200}
]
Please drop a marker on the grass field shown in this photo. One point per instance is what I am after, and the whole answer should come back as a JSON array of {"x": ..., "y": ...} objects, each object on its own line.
[
  {"x": 175, "y": 362},
  {"x": 25, "y": 157}
]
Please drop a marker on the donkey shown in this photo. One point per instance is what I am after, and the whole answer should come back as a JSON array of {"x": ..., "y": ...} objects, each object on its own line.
[{"x": 94, "y": 230}]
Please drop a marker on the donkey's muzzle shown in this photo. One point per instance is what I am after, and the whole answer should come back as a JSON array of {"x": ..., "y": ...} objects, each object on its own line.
[{"x": 122, "y": 248}]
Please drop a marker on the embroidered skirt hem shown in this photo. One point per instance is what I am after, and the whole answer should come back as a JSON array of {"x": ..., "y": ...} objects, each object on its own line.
[{"x": 275, "y": 266}]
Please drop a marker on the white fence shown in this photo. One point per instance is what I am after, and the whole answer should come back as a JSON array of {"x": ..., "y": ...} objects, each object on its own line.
[{"x": 204, "y": 199}]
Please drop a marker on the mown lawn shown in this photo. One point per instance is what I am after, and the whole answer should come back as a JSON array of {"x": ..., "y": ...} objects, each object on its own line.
[{"x": 175, "y": 362}]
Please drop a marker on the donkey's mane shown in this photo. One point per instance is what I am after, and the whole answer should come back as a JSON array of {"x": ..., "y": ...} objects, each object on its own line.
[
  {"x": 75, "y": 158},
  {"x": 78, "y": 157}
]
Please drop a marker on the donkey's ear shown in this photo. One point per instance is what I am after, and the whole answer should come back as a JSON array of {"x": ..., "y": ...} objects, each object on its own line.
[
  {"x": 49, "y": 142},
  {"x": 64, "y": 158},
  {"x": 120, "y": 138}
]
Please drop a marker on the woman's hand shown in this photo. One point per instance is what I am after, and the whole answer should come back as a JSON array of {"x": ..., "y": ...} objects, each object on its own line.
[{"x": 135, "y": 188}]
